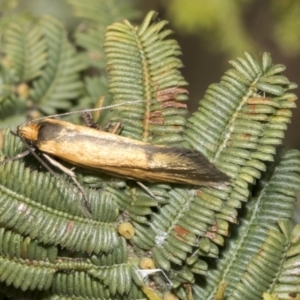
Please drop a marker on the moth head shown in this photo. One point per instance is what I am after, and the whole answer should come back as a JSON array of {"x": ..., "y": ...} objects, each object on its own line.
[{"x": 28, "y": 132}]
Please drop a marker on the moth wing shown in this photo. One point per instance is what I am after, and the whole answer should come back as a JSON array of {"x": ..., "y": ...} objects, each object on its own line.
[{"x": 174, "y": 165}]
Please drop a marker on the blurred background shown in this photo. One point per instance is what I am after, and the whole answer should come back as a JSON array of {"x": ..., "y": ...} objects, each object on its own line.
[{"x": 211, "y": 33}]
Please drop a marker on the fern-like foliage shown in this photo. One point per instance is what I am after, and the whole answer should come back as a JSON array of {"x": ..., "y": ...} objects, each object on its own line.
[
  {"x": 255, "y": 237},
  {"x": 26, "y": 50},
  {"x": 251, "y": 104},
  {"x": 60, "y": 80},
  {"x": 49, "y": 211},
  {"x": 287, "y": 279},
  {"x": 97, "y": 15},
  {"x": 89, "y": 36},
  {"x": 17, "y": 246},
  {"x": 239, "y": 124},
  {"x": 50, "y": 249},
  {"x": 21, "y": 44},
  {"x": 143, "y": 65},
  {"x": 40, "y": 69},
  {"x": 273, "y": 254}
]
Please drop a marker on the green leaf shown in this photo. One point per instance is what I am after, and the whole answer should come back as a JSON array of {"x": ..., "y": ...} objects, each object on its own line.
[
  {"x": 256, "y": 250},
  {"x": 143, "y": 65},
  {"x": 60, "y": 80},
  {"x": 25, "y": 49}
]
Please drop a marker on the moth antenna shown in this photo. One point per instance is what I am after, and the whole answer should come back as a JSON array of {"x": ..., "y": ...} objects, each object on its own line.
[
  {"x": 18, "y": 156},
  {"x": 20, "y": 125},
  {"x": 87, "y": 110}
]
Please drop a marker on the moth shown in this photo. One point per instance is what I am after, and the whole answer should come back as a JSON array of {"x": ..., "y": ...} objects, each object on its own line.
[{"x": 120, "y": 156}]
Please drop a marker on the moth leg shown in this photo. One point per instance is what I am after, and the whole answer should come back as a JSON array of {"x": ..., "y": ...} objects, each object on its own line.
[
  {"x": 147, "y": 190},
  {"x": 72, "y": 175},
  {"x": 115, "y": 128},
  {"x": 18, "y": 156},
  {"x": 88, "y": 120},
  {"x": 111, "y": 127}
]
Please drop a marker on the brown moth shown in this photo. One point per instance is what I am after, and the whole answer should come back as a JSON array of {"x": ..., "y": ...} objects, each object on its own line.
[{"x": 120, "y": 156}]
